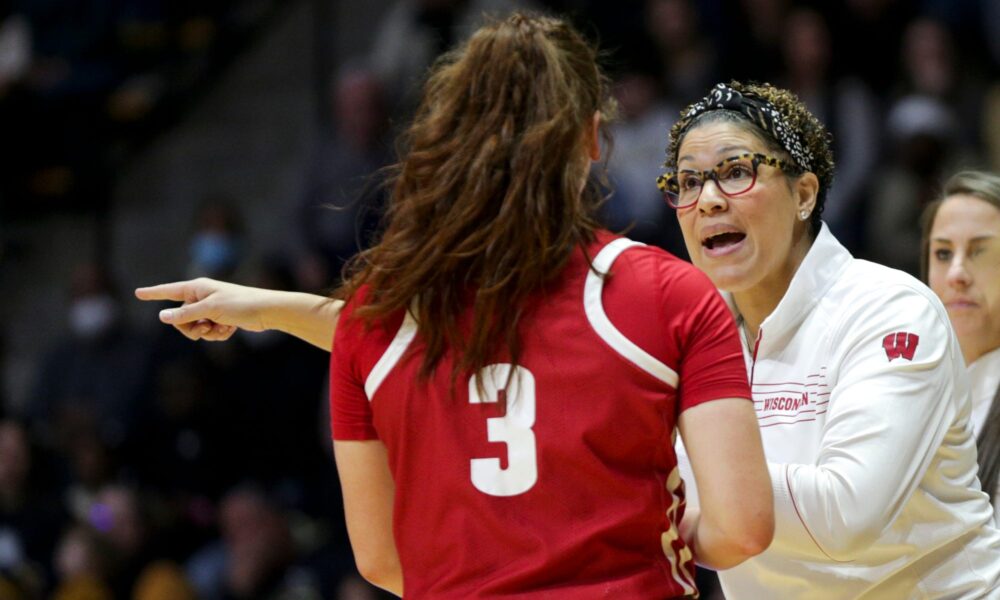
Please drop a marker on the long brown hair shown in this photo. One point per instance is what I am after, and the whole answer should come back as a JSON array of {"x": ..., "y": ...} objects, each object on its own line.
[
  {"x": 986, "y": 187},
  {"x": 486, "y": 205}
]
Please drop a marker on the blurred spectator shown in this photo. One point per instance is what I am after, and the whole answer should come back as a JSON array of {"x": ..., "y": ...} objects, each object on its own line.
[
  {"x": 414, "y": 33},
  {"x": 177, "y": 450},
  {"x": 752, "y": 34},
  {"x": 274, "y": 424},
  {"x": 163, "y": 581},
  {"x": 5, "y": 407},
  {"x": 95, "y": 379},
  {"x": 123, "y": 520},
  {"x": 91, "y": 466},
  {"x": 990, "y": 22},
  {"x": 931, "y": 68},
  {"x": 30, "y": 520},
  {"x": 636, "y": 159},
  {"x": 15, "y": 49},
  {"x": 622, "y": 31},
  {"x": 991, "y": 126},
  {"x": 57, "y": 125},
  {"x": 849, "y": 111},
  {"x": 687, "y": 56},
  {"x": 255, "y": 555},
  {"x": 869, "y": 34},
  {"x": 922, "y": 131},
  {"x": 216, "y": 246},
  {"x": 81, "y": 566},
  {"x": 342, "y": 202},
  {"x": 82, "y": 82}
]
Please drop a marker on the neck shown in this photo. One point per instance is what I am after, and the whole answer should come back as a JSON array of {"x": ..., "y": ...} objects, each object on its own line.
[
  {"x": 759, "y": 301},
  {"x": 974, "y": 350}
]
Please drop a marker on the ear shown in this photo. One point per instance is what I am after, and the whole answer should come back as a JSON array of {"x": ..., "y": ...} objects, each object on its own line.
[
  {"x": 807, "y": 191},
  {"x": 595, "y": 137}
]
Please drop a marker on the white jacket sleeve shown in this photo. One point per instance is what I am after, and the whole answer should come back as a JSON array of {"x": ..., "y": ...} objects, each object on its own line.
[{"x": 888, "y": 414}]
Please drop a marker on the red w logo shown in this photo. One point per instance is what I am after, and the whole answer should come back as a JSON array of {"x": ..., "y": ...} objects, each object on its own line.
[{"x": 900, "y": 344}]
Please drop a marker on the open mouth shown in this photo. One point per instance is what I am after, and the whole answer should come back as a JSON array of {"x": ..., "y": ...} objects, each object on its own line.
[{"x": 722, "y": 240}]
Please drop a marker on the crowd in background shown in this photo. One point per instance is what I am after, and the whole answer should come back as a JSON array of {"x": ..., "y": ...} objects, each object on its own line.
[{"x": 151, "y": 467}]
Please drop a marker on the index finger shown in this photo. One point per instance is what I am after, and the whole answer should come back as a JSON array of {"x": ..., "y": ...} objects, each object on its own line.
[{"x": 164, "y": 291}]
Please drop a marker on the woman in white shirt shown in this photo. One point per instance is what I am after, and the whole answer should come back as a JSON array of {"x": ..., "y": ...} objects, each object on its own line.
[
  {"x": 857, "y": 377},
  {"x": 961, "y": 262}
]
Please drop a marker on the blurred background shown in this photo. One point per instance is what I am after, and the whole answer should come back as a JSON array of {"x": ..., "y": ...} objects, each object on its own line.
[{"x": 143, "y": 141}]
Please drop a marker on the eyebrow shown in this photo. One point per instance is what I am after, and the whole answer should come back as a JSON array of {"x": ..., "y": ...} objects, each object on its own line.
[
  {"x": 978, "y": 238},
  {"x": 719, "y": 151}
]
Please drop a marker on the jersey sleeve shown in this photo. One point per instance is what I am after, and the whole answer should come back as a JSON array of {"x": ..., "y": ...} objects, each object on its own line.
[
  {"x": 672, "y": 311},
  {"x": 891, "y": 406},
  {"x": 711, "y": 364},
  {"x": 350, "y": 410}
]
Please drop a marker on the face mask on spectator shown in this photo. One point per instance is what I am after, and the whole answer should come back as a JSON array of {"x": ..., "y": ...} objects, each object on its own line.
[
  {"x": 92, "y": 316},
  {"x": 213, "y": 254}
]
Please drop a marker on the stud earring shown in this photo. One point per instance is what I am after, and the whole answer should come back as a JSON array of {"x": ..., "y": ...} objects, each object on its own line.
[{"x": 803, "y": 215}]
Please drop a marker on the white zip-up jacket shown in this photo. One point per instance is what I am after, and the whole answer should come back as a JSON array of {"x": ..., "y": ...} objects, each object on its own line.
[{"x": 863, "y": 402}]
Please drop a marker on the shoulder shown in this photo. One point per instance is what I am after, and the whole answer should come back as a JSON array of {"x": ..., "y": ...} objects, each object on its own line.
[
  {"x": 657, "y": 271},
  {"x": 876, "y": 306},
  {"x": 354, "y": 331},
  {"x": 867, "y": 288}
]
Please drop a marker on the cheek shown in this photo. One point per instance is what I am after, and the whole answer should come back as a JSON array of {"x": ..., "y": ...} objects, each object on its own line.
[
  {"x": 771, "y": 231},
  {"x": 685, "y": 218},
  {"x": 991, "y": 292}
]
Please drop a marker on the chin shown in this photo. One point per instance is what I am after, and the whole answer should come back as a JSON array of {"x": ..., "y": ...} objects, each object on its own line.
[
  {"x": 967, "y": 328},
  {"x": 729, "y": 278}
]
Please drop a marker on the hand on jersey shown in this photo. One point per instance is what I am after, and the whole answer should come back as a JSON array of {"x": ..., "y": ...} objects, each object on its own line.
[{"x": 211, "y": 310}]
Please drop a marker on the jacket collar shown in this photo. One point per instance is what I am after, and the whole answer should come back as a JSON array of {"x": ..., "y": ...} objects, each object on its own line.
[
  {"x": 820, "y": 269},
  {"x": 985, "y": 375}
]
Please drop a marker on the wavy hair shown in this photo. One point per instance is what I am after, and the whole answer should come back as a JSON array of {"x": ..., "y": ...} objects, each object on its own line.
[{"x": 486, "y": 202}]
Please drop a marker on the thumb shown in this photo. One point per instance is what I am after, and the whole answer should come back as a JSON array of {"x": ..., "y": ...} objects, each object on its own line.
[{"x": 184, "y": 314}]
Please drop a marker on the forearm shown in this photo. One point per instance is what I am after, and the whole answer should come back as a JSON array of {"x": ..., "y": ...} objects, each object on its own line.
[{"x": 309, "y": 317}]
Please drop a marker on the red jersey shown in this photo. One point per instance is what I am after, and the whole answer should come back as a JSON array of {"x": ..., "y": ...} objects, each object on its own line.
[{"x": 565, "y": 483}]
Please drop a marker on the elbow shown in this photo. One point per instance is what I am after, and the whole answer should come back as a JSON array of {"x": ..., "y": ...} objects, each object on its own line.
[
  {"x": 758, "y": 539},
  {"x": 739, "y": 541},
  {"x": 749, "y": 541},
  {"x": 383, "y": 572},
  {"x": 753, "y": 529}
]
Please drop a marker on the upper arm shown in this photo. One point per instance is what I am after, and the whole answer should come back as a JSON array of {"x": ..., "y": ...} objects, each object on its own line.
[
  {"x": 723, "y": 446},
  {"x": 887, "y": 418},
  {"x": 710, "y": 357},
  {"x": 368, "y": 490},
  {"x": 351, "y": 416}
]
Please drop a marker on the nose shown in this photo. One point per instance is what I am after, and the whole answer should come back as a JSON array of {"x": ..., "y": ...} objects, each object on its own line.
[
  {"x": 958, "y": 275},
  {"x": 711, "y": 198}
]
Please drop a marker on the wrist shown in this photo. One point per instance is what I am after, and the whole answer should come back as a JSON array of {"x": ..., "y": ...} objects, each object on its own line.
[{"x": 272, "y": 310}]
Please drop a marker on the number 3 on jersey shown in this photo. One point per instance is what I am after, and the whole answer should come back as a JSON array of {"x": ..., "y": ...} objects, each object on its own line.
[{"x": 514, "y": 429}]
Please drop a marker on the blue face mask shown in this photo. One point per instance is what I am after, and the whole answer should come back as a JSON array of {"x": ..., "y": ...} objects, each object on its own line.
[{"x": 213, "y": 254}]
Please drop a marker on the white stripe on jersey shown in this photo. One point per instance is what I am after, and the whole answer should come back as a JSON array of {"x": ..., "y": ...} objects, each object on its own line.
[
  {"x": 407, "y": 331},
  {"x": 599, "y": 320}
]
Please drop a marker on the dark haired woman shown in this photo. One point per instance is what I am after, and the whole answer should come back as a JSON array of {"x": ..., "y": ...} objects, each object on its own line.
[
  {"x": 857, "y": 378},
  {"x": 506, "y": 377},
  {"x": 961, "y": 262}
]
